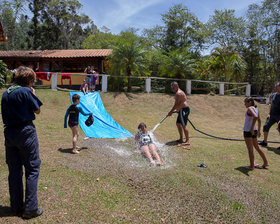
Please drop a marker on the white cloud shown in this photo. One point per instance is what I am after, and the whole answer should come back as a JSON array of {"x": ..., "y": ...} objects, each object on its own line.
[{"x": 126, "y": 9}]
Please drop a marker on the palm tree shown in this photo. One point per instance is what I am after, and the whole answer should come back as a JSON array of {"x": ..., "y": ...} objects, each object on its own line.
[
  {"x": 128, "y": 59},
  {"x": 226, "y": 64},
  {"x": 238, "y": 67},
  {"x": 178, "y": 63}
]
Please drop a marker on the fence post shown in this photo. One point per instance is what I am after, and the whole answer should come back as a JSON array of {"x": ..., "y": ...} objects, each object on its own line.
[
  {"x": 189, "y": 87},
  {"x": 54, "y": 81},
  {"x": 148, "y": 85},
  {"x": 248, "y": 90},
  {"x": 104, "y": 83},
  {"x": 221, "y": 89}
]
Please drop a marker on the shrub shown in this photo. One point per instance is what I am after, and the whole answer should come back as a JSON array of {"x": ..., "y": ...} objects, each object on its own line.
[{"x": 3, "y": 73}]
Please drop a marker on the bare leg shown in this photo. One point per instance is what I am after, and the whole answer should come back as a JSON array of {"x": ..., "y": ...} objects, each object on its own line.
[
  {"x": 75, "y": 132},
  {"x": 260, "y": 151},
  {"x": 147, "y": 153},
  {"x": 186, "y": 132},
  {"x": 249, "y": 144},
  {"x": 154, "y": 153},
  {"x": 180, "y": 130}
]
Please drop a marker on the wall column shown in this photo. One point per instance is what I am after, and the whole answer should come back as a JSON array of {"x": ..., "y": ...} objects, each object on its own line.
[
  {"x": 148, "y": 85},
  {"x": 104, "y": 83},
  {"x": 248, "y": 90},
  {"x": 189, "y": 87},
  {"x": 54, "y": 81},
  {"x": 221, "y": 89}
]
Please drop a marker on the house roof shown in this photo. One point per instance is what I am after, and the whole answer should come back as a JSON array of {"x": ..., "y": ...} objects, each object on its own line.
[{"x": 79, "y": 53}]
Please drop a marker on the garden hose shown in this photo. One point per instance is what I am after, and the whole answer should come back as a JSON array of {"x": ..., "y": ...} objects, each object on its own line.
[{"x": 222, "y": 138}]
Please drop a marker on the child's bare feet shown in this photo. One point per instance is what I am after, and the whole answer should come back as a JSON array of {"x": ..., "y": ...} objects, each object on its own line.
[
  {"x": 152, "y": 163},
  {"x": 75, "y": 151},
  {"x": 158, "y": 163},
  {"x": 264, "y": 166}
]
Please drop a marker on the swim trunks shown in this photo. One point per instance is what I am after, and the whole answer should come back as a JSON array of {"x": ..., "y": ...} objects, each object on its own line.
[{"x": 183, "y": 116}]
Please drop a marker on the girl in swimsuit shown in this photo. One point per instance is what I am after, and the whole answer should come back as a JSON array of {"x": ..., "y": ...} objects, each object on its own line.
[
  {"x": 145, "y": 144},
  {"x": 251, "y": 133}
]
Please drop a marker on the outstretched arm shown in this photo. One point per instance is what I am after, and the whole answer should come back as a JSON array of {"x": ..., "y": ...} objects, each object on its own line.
[{"x": 82, "y": 111}]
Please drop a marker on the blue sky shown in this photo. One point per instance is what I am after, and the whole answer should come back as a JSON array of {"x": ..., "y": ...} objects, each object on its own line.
[{"x": 118, "y": 15}]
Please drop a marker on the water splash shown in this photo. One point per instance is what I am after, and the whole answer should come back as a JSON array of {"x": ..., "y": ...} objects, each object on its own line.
[
  {"x": 155, "y": 128},
  {"x": 125, "y": 150},
  {"x": 163, "y": 152}
]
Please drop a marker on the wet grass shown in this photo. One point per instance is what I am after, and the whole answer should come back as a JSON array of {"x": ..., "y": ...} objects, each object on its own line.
[{"x": 109, "y": 183}]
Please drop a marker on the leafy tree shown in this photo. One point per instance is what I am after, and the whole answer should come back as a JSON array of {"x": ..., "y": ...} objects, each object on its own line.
[
  {"x": 128, "y": 57},
  {"x": 64, "y": 14},
  {"x": 3, "y": 73},
  {"x": 9, "y": 13},
  {"x": 181, "y": 29},
  {"x": 100, "y": 40},
  {"x": 271, "y": 22},
  {"x": 225, "y": 29},
  {"x": 225, "y": 64},
  {"x": 178, "y": 63}
]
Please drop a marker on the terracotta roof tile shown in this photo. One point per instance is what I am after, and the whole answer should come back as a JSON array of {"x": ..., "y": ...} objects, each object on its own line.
[{"x": 58, "y": 53}]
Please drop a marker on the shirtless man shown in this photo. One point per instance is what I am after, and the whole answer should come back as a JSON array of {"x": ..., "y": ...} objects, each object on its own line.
[{"x": 182, "y": 108}]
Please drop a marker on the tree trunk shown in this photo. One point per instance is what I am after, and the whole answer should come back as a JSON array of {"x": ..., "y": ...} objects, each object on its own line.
[{"x": 129, "y": 80}]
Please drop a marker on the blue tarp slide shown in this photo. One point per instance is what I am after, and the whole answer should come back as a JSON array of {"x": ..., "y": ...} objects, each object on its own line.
[{"x": 104, "y": 125}]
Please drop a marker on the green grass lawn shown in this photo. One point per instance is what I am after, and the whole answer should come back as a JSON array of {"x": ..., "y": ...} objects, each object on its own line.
[{"x": 109, "y": 183}]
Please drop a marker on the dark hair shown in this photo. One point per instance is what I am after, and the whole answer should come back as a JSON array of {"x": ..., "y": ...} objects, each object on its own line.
[
  {"x": 75, "y": 97},
  {"x": 250, "y": 100},
  {"x": 24, "y": 76},
  {"x": 142, "y": 125}
]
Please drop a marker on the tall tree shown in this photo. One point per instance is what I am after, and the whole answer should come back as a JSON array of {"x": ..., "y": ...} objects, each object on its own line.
[
  {"x": 225, "y": 29},
  {"x": 65, "y": 15},
  {"x": 9, "y": 13},
  {"x": 128, "y": 57},
  {"x": 178, "y": 63},
  {"x": 181, "y": 29}
]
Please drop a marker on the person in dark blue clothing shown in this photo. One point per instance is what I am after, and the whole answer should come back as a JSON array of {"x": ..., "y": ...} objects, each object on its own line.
[
  {"x": 73, "y": 122},
  {"x": 19, "y": 106}
]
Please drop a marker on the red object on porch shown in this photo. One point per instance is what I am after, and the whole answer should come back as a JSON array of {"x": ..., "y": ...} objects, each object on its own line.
[
  {"x": 66, "y": 76},
  {"x": 44, "y": 75}
]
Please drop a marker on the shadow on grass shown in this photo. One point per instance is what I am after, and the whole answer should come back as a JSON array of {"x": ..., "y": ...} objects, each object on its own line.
[
  {"x": 172, "y": 143},
  {"x": 6, "y": 212},
  {"x": 127, "y": 94},
  {"x": 275, "y": 150},
  {"x": 69, "y": 150},
  {"x": 243, "y": 170}
]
